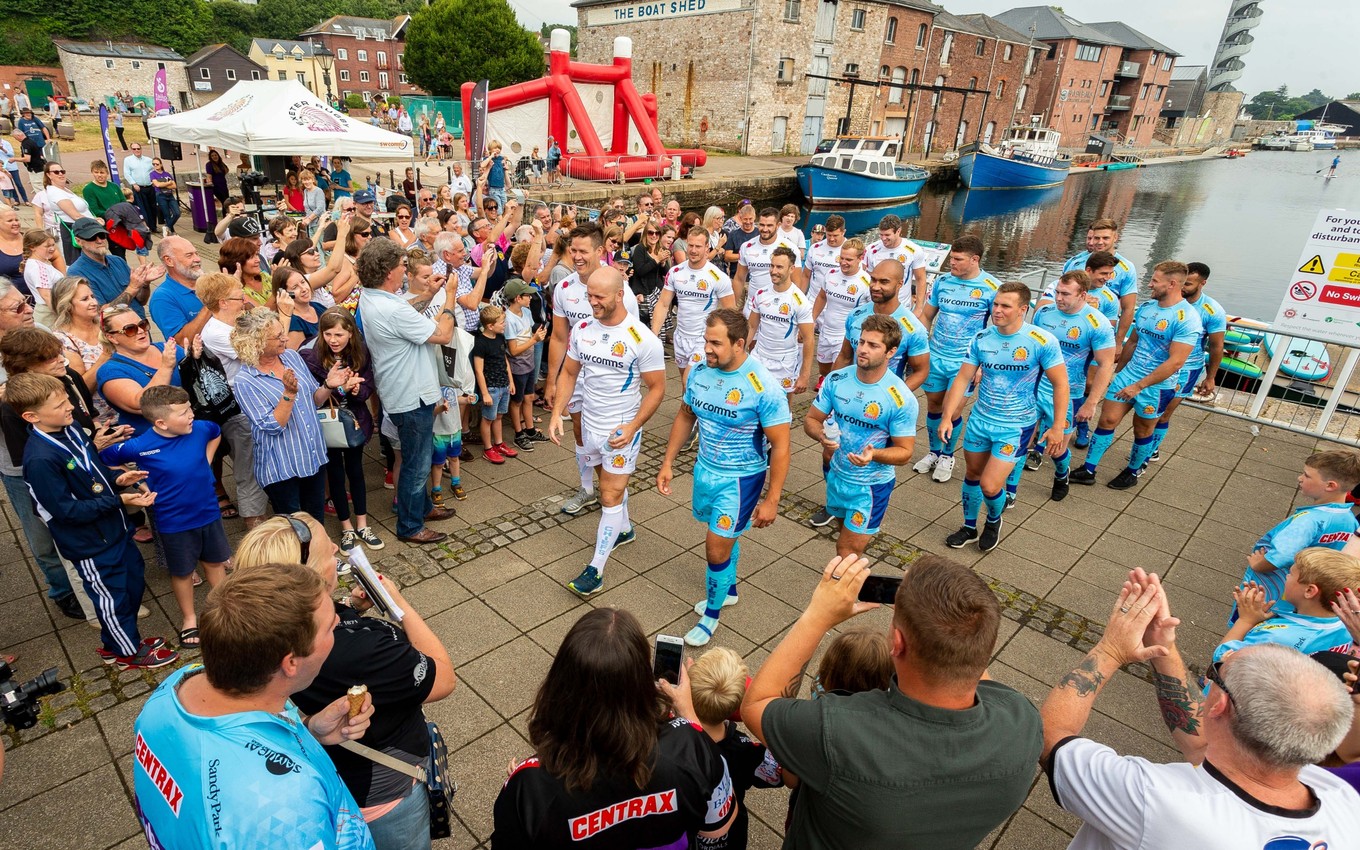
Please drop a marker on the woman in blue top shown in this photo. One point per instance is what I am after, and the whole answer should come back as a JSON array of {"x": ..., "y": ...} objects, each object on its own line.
[
  {"x": 494, "y": 168},
  {"x": 280, "y": 397},
  {"x": 305, "y": 311},
  {"x": 136, "y": 363}
]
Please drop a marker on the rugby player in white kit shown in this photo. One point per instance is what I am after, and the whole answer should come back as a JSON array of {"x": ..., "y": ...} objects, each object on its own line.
[
  {"x": 781, "y": 335},
  {"x": 844, "y": 288},
  {"x": 753, "y": 258},
  {"x": 698, "y": 288}
]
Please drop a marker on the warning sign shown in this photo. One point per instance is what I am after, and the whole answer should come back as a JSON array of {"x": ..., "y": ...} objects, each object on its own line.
[{"x": 1327, "y": 306}]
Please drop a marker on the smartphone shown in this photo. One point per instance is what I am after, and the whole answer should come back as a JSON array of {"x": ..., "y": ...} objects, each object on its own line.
[
  {"x": 670, "y": 653},
  {"x": 880, "y": 589}
]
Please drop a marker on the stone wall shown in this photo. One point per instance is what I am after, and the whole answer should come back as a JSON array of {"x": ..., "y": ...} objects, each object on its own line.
[
  {"x": 90, "y": 77},
  {"x": 1214, "y": 126}
]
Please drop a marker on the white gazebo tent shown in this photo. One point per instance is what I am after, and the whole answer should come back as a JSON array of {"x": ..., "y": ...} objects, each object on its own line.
[{"x": 280, "y": 118}]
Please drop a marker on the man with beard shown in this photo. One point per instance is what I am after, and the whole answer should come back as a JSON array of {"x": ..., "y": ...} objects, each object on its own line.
[
  {"x": 110, "y": 278},
  {"x": 175, "y": 307}
]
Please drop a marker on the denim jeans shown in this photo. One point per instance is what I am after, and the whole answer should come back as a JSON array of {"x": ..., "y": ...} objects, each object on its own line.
[
  {"x": 415, "y": 429},
  {"x": 168, "y": 206},
  {"x": 300, "y": 494},
  {"x": 407, "y": 827},
  {"x": 38, "y": 537}
]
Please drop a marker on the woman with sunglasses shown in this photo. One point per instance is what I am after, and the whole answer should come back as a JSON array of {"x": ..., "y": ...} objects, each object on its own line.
[
  {"x": 76, "y": 324},
  {"x": 280, "y": 397},
  {"x": 60, "y": 207},
  {"x": 167, "y": 201},
  {"x": 135, "y": 364},
  {"x": 650, "y": 264},
  {"x": 404, "y": 665},
  {"x": 304, "y": 312},
  {"x": 402, "y": 234}
]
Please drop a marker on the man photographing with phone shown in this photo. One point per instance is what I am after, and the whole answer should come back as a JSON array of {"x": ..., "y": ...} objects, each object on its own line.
[{"x": 943, "y": 739}]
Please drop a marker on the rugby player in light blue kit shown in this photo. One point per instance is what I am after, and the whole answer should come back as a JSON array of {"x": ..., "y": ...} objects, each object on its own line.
[
  {"x": 1084, "y": 336},
  {"x": 876, "y": 414},
  {"x": 1164, "y": 331},
  {"x": 910, "y": 361},
  {"x": 956, "y": 309},
  {"x": 1195, "y": 377},
  {"x": 743, "y": 419},
  {"x": 1010, "y": 357}
]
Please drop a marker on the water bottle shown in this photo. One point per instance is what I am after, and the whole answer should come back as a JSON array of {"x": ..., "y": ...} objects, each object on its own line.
[{"x": 832, "y": 430}]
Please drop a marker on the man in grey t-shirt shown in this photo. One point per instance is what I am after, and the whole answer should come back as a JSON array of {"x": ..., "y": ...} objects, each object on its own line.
[{"x": 939, "y": 759}]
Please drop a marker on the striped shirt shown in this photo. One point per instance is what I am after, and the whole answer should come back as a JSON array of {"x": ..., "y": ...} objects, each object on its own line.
[{"x": 282, "y": 452}]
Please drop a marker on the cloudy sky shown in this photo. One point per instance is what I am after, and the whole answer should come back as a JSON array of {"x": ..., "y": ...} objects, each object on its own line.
[{"x": 1303, "y": 44}]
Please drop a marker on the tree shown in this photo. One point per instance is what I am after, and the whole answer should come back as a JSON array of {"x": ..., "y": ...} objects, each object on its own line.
[
  {"x": 1315, "y": 98},
  {"x": 1277, "y": 105},
  {"x": 456, "y": 41},
  {"x": 546, "y": 30}
]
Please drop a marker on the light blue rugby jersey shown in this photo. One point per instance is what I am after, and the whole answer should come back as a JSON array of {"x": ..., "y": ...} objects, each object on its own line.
[
  {"x": 867, "y": 414},
  {"x": 1125, "y": 279},
  {"x": 1158, "y": 327},
  {"x": 733, "y": 409},
  {"x": 1214, "y": 321},
  {"x": 914, "y": 338},
  {"x": 1011, "y": 366},
  {"x": 964, "y": 307},
  {"x": 1080, "y": 335}
]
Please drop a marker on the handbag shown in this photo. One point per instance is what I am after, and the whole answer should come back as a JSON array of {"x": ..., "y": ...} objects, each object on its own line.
[
  {"x": 339, "y": 428},
  {"x": 434, "y": 774}
]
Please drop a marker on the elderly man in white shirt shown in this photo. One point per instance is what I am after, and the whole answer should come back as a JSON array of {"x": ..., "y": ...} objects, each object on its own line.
[{"x": 137, "y": 176}]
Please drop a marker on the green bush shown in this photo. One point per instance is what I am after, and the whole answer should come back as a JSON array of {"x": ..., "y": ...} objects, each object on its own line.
[{"x": 355, "y": 101}]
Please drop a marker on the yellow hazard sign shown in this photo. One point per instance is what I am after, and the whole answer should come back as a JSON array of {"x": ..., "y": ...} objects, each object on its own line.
[
  {"x": 1341, "y": 274},
  {"x": 1313, "y": 266}
]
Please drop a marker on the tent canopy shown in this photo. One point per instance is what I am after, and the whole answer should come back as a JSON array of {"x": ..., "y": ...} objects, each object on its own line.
[{"x": 279, "y": 118}]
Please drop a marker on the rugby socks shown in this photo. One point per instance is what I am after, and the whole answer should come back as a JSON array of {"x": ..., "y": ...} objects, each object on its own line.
[
  {"x": 948, "y": 450},
  {"x": 627, "y": 523},
  {"x": 1142, "y": 450},
  {"x": 611, "y": 523},
  {"x": 722, "y": 578},
  {"x": 1013, "y": 480},
  {"x": 733, "y": 558},
  {"x": 933, "y": 431},
  {"x": 1100, "y": 443},
  {"x": 995, "y": 505},
  {"x": 972, "y": 502},
  {"x": 587, "y": 471},
  {"x": 1062, "y": 464},
  {"x": 1158, "y": 435}
]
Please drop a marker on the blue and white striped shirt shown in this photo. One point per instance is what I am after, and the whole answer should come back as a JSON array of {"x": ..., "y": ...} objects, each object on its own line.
[{"x": 282, "y": 452}]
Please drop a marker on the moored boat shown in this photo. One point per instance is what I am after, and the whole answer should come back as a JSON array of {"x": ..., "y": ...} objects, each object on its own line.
[
  {"x": 1027, "y": 158},
  {"x": 858, "y": 171}
]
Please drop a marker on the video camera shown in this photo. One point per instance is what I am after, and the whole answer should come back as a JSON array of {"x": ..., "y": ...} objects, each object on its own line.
[
  {"x": 251, "y": 182},
  {"x": 19, "y": 701}
]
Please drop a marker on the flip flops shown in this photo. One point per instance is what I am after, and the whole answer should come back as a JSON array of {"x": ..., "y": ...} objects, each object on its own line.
[{"x": 188, "y": 639}]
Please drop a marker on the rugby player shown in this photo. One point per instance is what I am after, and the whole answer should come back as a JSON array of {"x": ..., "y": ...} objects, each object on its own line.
[
  {"x": 823, "y": 255},
  {"x": 1194, "y": 376},
  {"x": 698, "y": 288},
  {"x": 844, "y": 288},
  {"x": 781, "y": 335},
  {"x": 754, "y": 257},
  {"x": 1100, "y": 267},
  {"x": 891, "y": 246},
  {"x": 1103, "y": 235}
]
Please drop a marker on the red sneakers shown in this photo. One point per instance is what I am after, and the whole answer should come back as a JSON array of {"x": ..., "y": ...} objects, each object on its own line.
[
  {"x": 507, "y": 451},
  {"x": 492, "y": 455},
  {"x": 151, "y": 654}
]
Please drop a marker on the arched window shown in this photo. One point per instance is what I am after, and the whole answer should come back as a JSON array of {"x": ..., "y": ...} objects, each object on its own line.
[
  {"x": 921, "y": 35},
  {"x": 899, "y": 75},
  {"x": 988, "y": 132},
  {"x": 891, "y": 35}
]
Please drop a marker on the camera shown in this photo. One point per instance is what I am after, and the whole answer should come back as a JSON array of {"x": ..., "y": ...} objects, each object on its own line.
[
  {"x": 251, "y": 182},
  {"x": 19, "y": 701}
]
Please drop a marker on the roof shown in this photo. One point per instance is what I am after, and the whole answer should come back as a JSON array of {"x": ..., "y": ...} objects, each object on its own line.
[
  {"x": 1188, "y": 72},
  {"x": 921, "y": 5},
  {"x": 267, "y": 45},
  {"x": 349, "y": 25},
  {"x": 987, "y": 25},
  {"x": 209, "y": 50},
  {"x": 1049, "y": 24},
  {"x": 118, "y": 50},
  {"x": 1129, "y": 37}
]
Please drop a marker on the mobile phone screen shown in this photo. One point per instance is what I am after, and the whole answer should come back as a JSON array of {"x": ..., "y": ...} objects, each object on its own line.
[
  {"x": 880, "y": 589},
  {"x": 669, "y": 653}
]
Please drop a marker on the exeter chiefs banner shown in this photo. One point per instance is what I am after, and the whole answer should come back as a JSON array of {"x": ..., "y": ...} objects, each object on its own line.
[{"x": 477, "y": 126}]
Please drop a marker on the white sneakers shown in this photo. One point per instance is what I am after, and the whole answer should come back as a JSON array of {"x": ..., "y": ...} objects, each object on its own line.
[
  {"x": 944, "y": 469},
  {"x": 926, "y": 463}
]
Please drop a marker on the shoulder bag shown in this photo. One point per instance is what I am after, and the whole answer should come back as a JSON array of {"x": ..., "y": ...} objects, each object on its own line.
[{"x": 434, "y": 773}]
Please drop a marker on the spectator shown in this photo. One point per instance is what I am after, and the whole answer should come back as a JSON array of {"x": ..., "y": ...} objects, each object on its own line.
[
  {"x": 402, "y": 234},
  {"x": 494, "y": 169},
  {"x": 226, "y": 730},
  {"x": 650, "y": 263},
  {"x": 424, "y": 233},
  {"x": 240, "y": 258},
  {"x": 443, "y": 197},
  {"x": 282, "y": 230},
  {"x": 32, "y": 127},
  {"x": 407, "y": 379},
  {"x": 313, "y": 203},
  {"x": 167, "y": 199},
  {"x": 135, "y": 364},
  {"x": 60, "y": 207},
  {"x": 12, "y": 153},
  {"x": 76, "y": 323},
  {"x": 738, "y": 236},
  {"x": 100, "y": 193},
  {"x": 333, "y": 283},
  {"x": 279, "y": 396},
  {"x": 524, "y": 335},
  {"x": 128, "y": 230},
  {"x": 469, "y": 283},
  {"x": 408, "y": 186},
  {"x": 175, "y": 308},
  {"x": 112, "y": 281},
  {"x": 341, "y": 343},
  {"x": 857, "y": 660},
  {"x": 299, "y": 312},
  {"x": 461, "y": 183},
  {"x": 42, "y": 266},
  {"x": 136, "y": 175},
  {"x": 12, "y": 247},
  {"x": 1270, "y": 715},
  {"x": 962, "y": 744},
  {"x": 291, "y": 196},
  {"x": 554, "y": 162},
  {"x": 217, "y": 175},
  {"x": 491, "y": 365},
  {"x": 342, "y": 184},
  {"x": 1308, "y": 624},
  {"x": 602, "y": 745}
]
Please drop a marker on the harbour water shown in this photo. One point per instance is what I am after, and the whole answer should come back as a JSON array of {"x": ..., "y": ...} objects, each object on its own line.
[{"x": 1246, "y": 218}]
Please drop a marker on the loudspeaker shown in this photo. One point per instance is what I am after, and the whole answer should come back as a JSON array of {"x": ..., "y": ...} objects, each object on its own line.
[
  {"x": 170, "y": 150},
  {"x": 275, "y": 168}
]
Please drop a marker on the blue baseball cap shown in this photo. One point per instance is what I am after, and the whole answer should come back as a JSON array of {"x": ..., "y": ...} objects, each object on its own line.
[{"x": 364, "y": 196}]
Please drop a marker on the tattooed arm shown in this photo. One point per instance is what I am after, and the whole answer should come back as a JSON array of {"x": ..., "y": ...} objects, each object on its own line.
[{"x": 1069, "y": 704}]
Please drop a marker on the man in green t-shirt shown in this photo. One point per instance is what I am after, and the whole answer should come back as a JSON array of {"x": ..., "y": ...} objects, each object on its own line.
[
  {"x": 99, "y": 193},
  {"x": 939, "y": 759}
]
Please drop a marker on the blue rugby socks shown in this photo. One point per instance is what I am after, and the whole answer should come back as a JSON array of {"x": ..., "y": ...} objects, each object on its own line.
[
  {"x": 1100, "y": 443},
  {"x": 972, "y": 502},
  {"x": 933, "y": 431}
]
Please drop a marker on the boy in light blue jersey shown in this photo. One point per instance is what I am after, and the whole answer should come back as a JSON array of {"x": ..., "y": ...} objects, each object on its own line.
[
  {"x": 1100, "y": 267},
  {"x": 1085, "y": 337},
  {"x": 1103, "y": 235},
  {"x": 1324, "y": 520},
  {"x": 956, "y": 309},
  {"x": 1304, "y": 618},
  {"x": 743, "y": 418},
  {"x": 1196, "y": 376},
  {"x": 1011, "y": 356},
  {"x": 1164, "y": 331},
  {"x": 876, "y": 417}
]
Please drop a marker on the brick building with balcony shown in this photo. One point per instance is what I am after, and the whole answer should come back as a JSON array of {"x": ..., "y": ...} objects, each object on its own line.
[
  {"x": 368, "y": 55},
  {"x": 1143, "y": 77}
]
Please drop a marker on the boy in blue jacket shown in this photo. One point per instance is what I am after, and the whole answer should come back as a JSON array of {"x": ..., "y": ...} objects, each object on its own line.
[{"x": 76, "y": 496}]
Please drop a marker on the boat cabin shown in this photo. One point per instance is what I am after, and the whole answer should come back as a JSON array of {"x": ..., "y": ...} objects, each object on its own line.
[
  {"x": 875, "y": 156},
  {"x": 1032, "y": 144}
]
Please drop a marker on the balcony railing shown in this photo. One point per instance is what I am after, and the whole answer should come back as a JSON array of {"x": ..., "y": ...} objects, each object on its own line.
[
  {"x": 1129, "y": 69},
  {"x": 1120, "y": 101}
]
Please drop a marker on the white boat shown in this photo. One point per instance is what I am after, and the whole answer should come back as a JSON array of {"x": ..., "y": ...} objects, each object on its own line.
[
  {"x": 858, "y": 171},
  {"x": 1322, "y": 135},
  {"x": 1282, "y": 140}
]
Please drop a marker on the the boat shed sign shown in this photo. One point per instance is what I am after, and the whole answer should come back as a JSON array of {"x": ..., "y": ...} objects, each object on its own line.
[
  {"x": 656, "y": 10},
  {"x": 1323, "y": 298}
]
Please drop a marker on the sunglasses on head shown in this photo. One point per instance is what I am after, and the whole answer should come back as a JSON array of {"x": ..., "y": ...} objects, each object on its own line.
[
  {"x": 303, "y": 533},
  {"x": 131, "y": 331}
]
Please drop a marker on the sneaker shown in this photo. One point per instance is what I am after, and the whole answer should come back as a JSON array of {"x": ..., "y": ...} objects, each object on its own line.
[
  {"x": 1082, "y": 475},
  {"x": 1010, "y": 502},
  {"x": 330, "y": 507},
  {"x": 1154, "y": 457},
  {"x": 505, "y": 450},
  {"x": 579, "y": 502},
  {"x": 961, "y": 538},
  {"x": 1123, "y": 480},
  {"x": 147, "y": 643},
  {"x": 1060, "y": 489},
  {"x": 437, "y": 496},
  {"x": 625, "y": 537},
  {"x": 821, "y": 518},
  {"x": 991, "y": 535},
  {"x": 493, "y": 456},
  {"x": 70, "y": 606},
  {"x": 1082, "y": 441},
  {"x": 944, "y": 469},
  {"x": 387, "y": 480},
  {"x": 926, "y": 463},
  {"x": 702, "y": 605},
  {"x": 536, "y": 435},
  {"x": 348, "y": 540},
  {"x": 370, "y": 539},
  {"x": 587, "y": 583},
  {"x": 1034, "y": 460},
  {"x": 458, "y": 492},
  {"x": 147, "y": 659},
  {"x": 524, "y": 443}
]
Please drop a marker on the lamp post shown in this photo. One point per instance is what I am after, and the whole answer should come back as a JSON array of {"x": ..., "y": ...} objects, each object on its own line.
[{"x": 326, "y": 60}]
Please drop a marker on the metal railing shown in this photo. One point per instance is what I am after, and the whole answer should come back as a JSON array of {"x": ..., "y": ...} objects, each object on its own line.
[
  {"x": 1120, "y": 101},
  {"x": 1129, "y": 69}
]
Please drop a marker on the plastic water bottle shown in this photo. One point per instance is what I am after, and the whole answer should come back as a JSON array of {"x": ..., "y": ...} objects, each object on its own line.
[{"x": 832, "y": 430}]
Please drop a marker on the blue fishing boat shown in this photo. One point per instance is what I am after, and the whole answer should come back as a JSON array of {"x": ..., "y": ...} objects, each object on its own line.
[
  {"x": 857, "y": 171},
  {"x": 1027, "y": 158}
]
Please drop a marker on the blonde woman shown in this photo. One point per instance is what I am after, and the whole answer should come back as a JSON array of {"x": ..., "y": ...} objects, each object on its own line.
[
  {"x": 76, "y": 324},
  {"x": 42, "y": 266},
  {"x": 313, "y": 203},
  {"x": 11, "y": 243}
]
